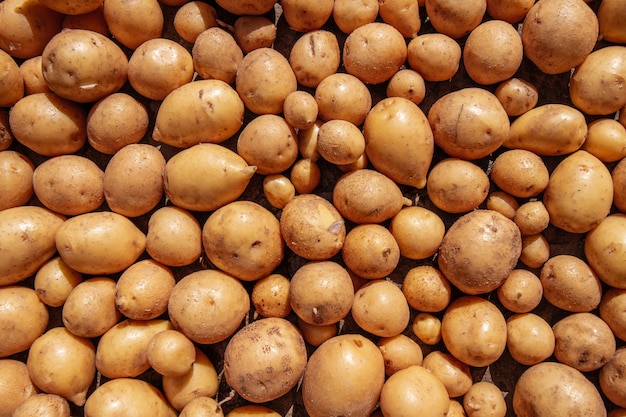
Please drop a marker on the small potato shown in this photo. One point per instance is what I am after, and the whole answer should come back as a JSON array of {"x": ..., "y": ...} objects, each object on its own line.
[
  {"x": 202, "y": 407},
  {"x": 455, "y": 19},
  {"x": 521, "y": 292},
  {"x": 606, "y": 140},
  {"x": 247, "y": 7},
  {"x": 532, "y": 218},
  {"x": 484, "y": 399},
  {"x": 300, "y": 109},
  {"x": 279, "y": 190},
  {"x": 32, "y": 73},
  {"x": 43, "y": 405},
  {"x": 535, "y": 250},
  {"x": 399, "y": 352},
  {"x": 93, "y": 21},
  {"x": 304, "y": 16},
  {"x": 6, "y": 137},
  {"x": 254, "y": 32},
  {"x": 343, "y": 96},
  {"x": 509, "y": 11},
  {"x": 305, "y": 176},
  {"x": 269, "y": 143},
  {"x": 159, "y": 66},
  {"x": 132, "y": 395},
  {"x": 12, "y": 81},
  {"x": 380, "y": 308},
  {"x": 612, "y": 381},
  {"x": 404, "y": 15},
  {"x": 83, "y": 66},
  {"x": 360, "y": 163},
  {"x": 307, "y": 141},
  {"x": 612, "y": 304},
  {"x": 314, "y": 56},
  {"x": 174, "y": 237},
  {"x": 435, "y": 56},
  {"x": 73, "y": 7},
  {"x": 194, "y": 17},
  {"x": 407, "y": 83},
  {"x": 502, "y": 202},
  {"x": 517, "y": 96},
  {"x": 414, "y": 220},
  {"x": 16, "y": 179},
  {"x": 106, "y": 114},
  {"x": 252, "y": 411},
  {"x": 200, "y": 381},
  {"x": 15, "y": 385},
  {"x": 171, "y": 353},
  {"x": 611, "y": 19},
  {"x": 605, "y": 249},
  {"x": 48, "y": 124},
  {"x": 374, "y": 52},
  {"x": 454, "y": 374},
  {"x": 350, "y": 14},
  {"x": 618, "y": 175},
  {"x": 23, "y": 318},
  {"x": 213, "y": 42},
  {"x": 270, "y": 296},
  {"x": 570, "y": 284},
  {"x": 54, "y": 282},
  {"x": 530, "y": 339},
  {"x": 457, "y": 186},
  {"x": 321, "y": 292},
  {"x": 370, "y": 251},
  {"x": 340, "y": 142},
  {"x": 69, "y": 184},
  {"x": 426, "y": 289},
  {"x": 427, "y": 328},
  {"x": 492, "y": 52},
  {"x": 520, "y": 173},
  {"x": 134, "y": 22}
]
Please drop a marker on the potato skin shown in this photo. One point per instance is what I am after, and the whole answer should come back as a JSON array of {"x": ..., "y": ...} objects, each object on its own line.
[{"x": 23, "y": 318}]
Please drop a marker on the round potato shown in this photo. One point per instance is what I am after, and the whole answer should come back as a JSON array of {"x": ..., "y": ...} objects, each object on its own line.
[
  {"x": 12, "y": 82},
  {"x": 509, "y": 11},
  {"x": 343, "y": 96},
  {"x": 457, "y": 186},
  {"x": 23, "y": 318},
  {"x": 612, "y": 381},
  {"x": 426, "y": 289},
  {"x": 606, "y": 140},
  {"x": 247, "y": 7},
  {"x": 129, "y": 394},
  {"x": 194, "y": 17},
  {"x": 54, "y": 282},
  {"x": 454, "y": 374},
  {"x": 213, "y": 42},
  {"x": 399, "y": 352},
  {"x": 16, "y": 179},
  {"x": 381, "y": 309},
  {"x": 174, "y": 236},
  {"x": 340, "y": 142},
  {"x": 270, "y": 296},
  {"x": 314, "y": 56},
  {"x": 520, "y": 173},
  {"x": 349, "y": 15},
  {"x": 201, "y": 381},
  {"x": 484, "y": 399},
  {"x": 73, "y": 7},
  {"x": 517, "y": 96},
  {"x": 370, "y": 251},
  {"x": 305, "y": 16},
  {"x": 134, "y": 22},
  {"x": 409, "y": 222},
  {"x": 435, "y": 56},
  {"x": 611, "y": 19},
  {"x": 530, "y": 339},
  {"x": 612, "y": 303},
  {"x": 254, "y": 32},
  {"x": 455, "y": 19},
  {"x": 300, "y": 110},
  {"x": 279, "y": 190},
  {"x": 91, "y": 21},
  {"x": 90, "y": 309},
  {"x": 408, "y": 84},
  {"x": 403, "y": 15}
]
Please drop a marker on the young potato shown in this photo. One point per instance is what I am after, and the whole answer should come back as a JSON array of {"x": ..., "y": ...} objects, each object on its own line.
[
  {"x": 404, "y": 15},
  {"x": 304, "y": 16},
  {"x": 243, "y": 239},
  {"x": 610, "y": 308},
  {"x": 16, "y": 179},
  {"x": 6, "y": 137},
  {"x": 194, "y": 17},
  {"x": 532, "y": 218},
  {"x": 315, "y": 335},
  {"x": 213, "y": 42},
  {"x": 399, "y": 141},
  {"x": 535, "y": 250},
  {"x": 305, "y": 175},
  {"x": 612, "y": 381},
  {"x": 314, "y": 56},
  {"x": 517, "y": 96},
  {"x": 54, "y": 282},
  {"x": 279, "y": 190},
  {"x": 43, "y": 405},
  {"x": 349, "y": 14},
  {"x": 360, "y": 163},
  {"x": 492, "y": 52},
  {"x": 454, "y": 374},
  {"x": 15, "y": 385},
  {"x": 254, "y": 32},
  {"x": 265, "y": 359},
  {"x": 24, "y": 317},
  {"x": 174, "y": 237},
  {"x": 579, "y": 194},
  {"x": 570, "y": 284},
  {"x": 502, "y": 202},
  {"x": 182, "y": 120},
  {"x": 48, "y": 124},
  {"x": 594, "y": 85},
  {"x": 158, "y": 66},
  {"x": 340, "y": 142},
  {"x": 484, "y": 399},
  {"x": 300, "y": 109},
  {"x": 343, "y": 96},
  {"x": 412, "y": 221},
  {"x": 435, "y": 56},
  {"x": 269, "y": 143},
  {"x": 530, "y": 339},
  {"x": 134, "y": 22},
  {"x": 426, "y": 289},
  {"x": 611, "y": 19},
  {"x": 200, "y": 381},
  {"x": 457, "y": 186},
  {"x": 399, "y": 352},
  {"x": 370, "y": 251},
  {"x": 456, "y": 409},
  {"x": 132, "y": 395},
  {"x": 90, "y": 309},
  {"x": 380, "y": 308},
  {"x": 208, "y": 306},
  {"x": 83, "y": 66},
  {"x": 202, "y": 407},
  {"x": 143, "y": 290},
  {"x": 408, "y": 84},
  {"x": 247, "y": 7},
  {"x": 606, "y": 140},
  {"x": 12, "y": 82},
  {"x": 93, "y": 21},
  {"x": 474, "y": 330},
  {"x": 270, "y": 296},
  {"x": 307, "y": 141},
  {"x": 509, "y": 11},
  {"x": 469, "y": 123},
  {"x": 520, "y": 173},
  {"x": 618, "y": 175},
  {"x": 427, "y": 328},
  {"x": 550, "y": 386},
  {"x": 374, "y": 52},
  {"x": 73, "y": 7},
  {"x": 263, "y": 81},
  {"x": 171, "y": 353},
  {"x": 455, "y": 19},
  {"x": 69, "y": 184},
  {"x": 521, "y": 292},
  {"x": 604, "y": 250}
]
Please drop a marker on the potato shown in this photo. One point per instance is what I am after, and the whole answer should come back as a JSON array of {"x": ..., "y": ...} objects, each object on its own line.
[
  {"x": 414, "y": 390},
  {"x": 502, "y": 202},
  {"x": 550, "y": 386},
  {"x": 54, "y": 282},
  {"x": 171, "y": 353},
  {"x": 349, "y": 14},
  {"x": 340, "y": 142},
  {"x": 201, "y": 381},
  {"x": 535, "y": 250},
  {"x": 427, "y": 328},
  {"x": 426, "y": 289},
  {"x": 307, "y": 140},
  {"x": 91, "y": 21},
  {"x": 127, "y": 396},
  {"x": 314, "y": 56},
  {"x": 116, "y": 121},
  {"x": 279, "y": 190},
  {"x": 27, "y": 28},
  {"x": 456, "y": 409},
  {"x": 517, "y": 96},
  {"x": 455, "y": 19},
  {"x": 610, "y": 19},
  {"x": 62, "y": 363},
  {"x": 73, "y": 67},
  {"x": 435, "y": 56},
  {"x": 454, "y": 374},
  {"x": 469, "y": 123},
  {"x": 321, "y": 292},
  {"x": 69, "y": 184},
  {"x": 208, "y": 306},
  {"x": 370, "y": 251},
  {"x": 90, "y": 309},
  {"x": 520, "y": 173},
  {"x": 312, "y": 227},
  {"x": 202, "y": 406},
  {"x": 612, "y": 380},
  {"x": 12, "y": 82},
  {"x": 484, "y": 399},
  {"x": 264, "y": 79},
  {"x": 352, "y": 361},
  {"x": 16, "y": 173},
  {"x": 402, "y": 146},
  {"x": 99, "y": 243},
  {"x": 194, "y": 17},
  {"x": 456, "y": 185},
  {"x": 612, "y": 303},
  {"x": 206, "y": 177},
  {"x": 374, "y": 52},
  {"x": 604, "y": 250},
  {"x": 492, "y": 52},
  {"x": 23, "y": 318},
  {"x": 249, "y": 7},
  {"x": 380, "y": 308},
  {"x": 73, "y": 7},
  {"x": 343, "y": 96},
  {"x": 509, "y": 11},
  {"x": 28, "y": 241},
  {"x": 570, "y": 284},
  {"x": 409, "y": 222},
  {"x": 134, "y": 22},
  {"x": 143, "y": 290},
  {"x": 606, "y": 140},
  {"x": 174, "y": 237},
  {"x": 305, "y": 175},
  {"x": 133, "y": 180},
  {"x": 254, "y": 32},
  {"x": 595, "y": 84},
  {"x": 48, "y": 124},
  {"x": 300, "y": 109},
  {"x": 548, "y": 130},
  {"x": 252, "y": 410},
  {"x": 6, "y": 137},
  {"x": 314, "y": 334},
  {"x": 182, "y": 120},
  {"x": 304, "y": 16},
  {"x": 474, "y": 330},
  {"x": 408, "y": 84},
  {"x": 122, "y": 350},
  {"x": 270, "y": 296},
  {"x": 269, "y": 143},
  {"x": 243, "y": 239},
  {"x": 15, "y": 385},
  {"x": 404, "y": 15},
  {"x": 213, "y": 42},
  {"x": 532, "y": 218},
  {"x": 43, "y": 405},
  {"x": 530, "y": 339},
  {"x": 265, "y": 359},
  {"x": 399, "y": 352},
  {"x": 577, "y": 179},
  {"x": 159, "y": 66},
  {"x": 618, "y": 175}
]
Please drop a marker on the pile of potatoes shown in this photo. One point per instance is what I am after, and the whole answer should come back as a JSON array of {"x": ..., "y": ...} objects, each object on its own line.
[{"x": 313, "y": 208}]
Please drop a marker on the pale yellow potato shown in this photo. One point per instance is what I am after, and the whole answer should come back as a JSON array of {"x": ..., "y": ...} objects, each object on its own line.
[
  {"x": 457, "y": 186},
  {"x": 278, "y": 190},
  {"x": 399, "y": 352},
  {"x": 404, "y": 15},
  {"x": 134, "y": 22},
  {"x": 73, "y": 7},
  {"x": 611, "y": 18},
  {"x": 216, "y": 42},
  {"x": 247, "y": 7},
  {"x": 517, "y": 96},
  {"x": 604, "y": 249},
  {"x": 530, "y": 339},
  {"x": 16, "y": 179},
  {"x": 174, "y": 236},
  {"x": 32, "y": 73},
  {"x": 511, "y": 11},
  {"x": 343, "y": 96},
  {"x": 455, "y": 19},
  {"x": 12, "y": 81},
  {"x": 90, "y": 309},
  {"x": 300, "y": 110},
  {"x": 171, "y": 353},
  {"x": 143, "y": 290},
  {"x": 6, "y": 137},
  {"x": 519, "y": 172},
  {"x": 407, "y": 83},
  {"x": 340, "y": 142},
  {"x": 370, "y": 251},
  {"x": 15, "y": 385},
  {"x": 351, "y": 14},
  {"x": 360, "y": 163},
  {"x": 484, "y": 399},
  {"x": 502, "y": 202},
  {"x": 91, "y": 21},
  {"x": 24, "y": 318},
  {"x": 43, "y": 405},
  {"x": 129, "y": 394},
  {"x": 54, "y": 282},
  {"x": 454, "y": 374},
  {"x": 435, "y": 56},
  {"x": 426, "y": 289},
  {"x": 412, "y": 221},
  {"x": 253, "y": 32},
  {"x": 202, "y": 407},
  {"x": 305, "y": 16},
  {"x": 612, "y": 381},
  {"x": 194, "y": 17},
  {"x": 305, "y": 175},
  {"x": 314, "y": 56},
  {"x": 253, "y": 410},
  {"x": 270, "y": 296},
  {"x": 606, "y": 140},
  {"x": 532, "y": 218},
  {"x": 201, "y": 381},
  {"x": 427, "y": 328},
  {"x": 611, "y": 306}
]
